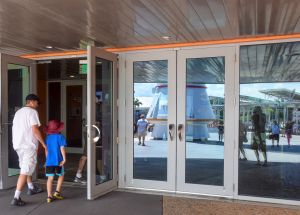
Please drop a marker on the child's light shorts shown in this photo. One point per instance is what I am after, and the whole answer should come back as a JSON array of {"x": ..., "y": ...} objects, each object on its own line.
[{"x": 27, "y": 161}]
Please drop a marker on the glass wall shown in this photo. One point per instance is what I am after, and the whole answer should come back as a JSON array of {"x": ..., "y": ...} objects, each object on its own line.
[
  {"x": 150, "y": 134},
  {"x": 18, "y": 89},
  {"x": 204, "y": 132},
  {"x": 269, "y": 125}
]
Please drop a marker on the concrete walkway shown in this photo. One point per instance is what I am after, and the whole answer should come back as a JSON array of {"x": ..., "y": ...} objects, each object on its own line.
[{"x": 75, "y": 203}]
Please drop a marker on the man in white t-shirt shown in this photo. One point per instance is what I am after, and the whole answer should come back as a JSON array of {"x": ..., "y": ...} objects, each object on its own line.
[{"x": 26, "y": 136}]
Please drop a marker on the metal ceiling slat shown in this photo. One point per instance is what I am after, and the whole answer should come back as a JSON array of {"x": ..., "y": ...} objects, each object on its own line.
[
  {"x": 29, "y": 24},
  {"x": 159, "y": 11},
  {"x": 232, "y": 8},
  {"x": 182, "y": 23},
  {"x": 142, "y": 24},
  {"x": 202, "y": 10},
  {"x": 163, "y": 19},
  {"x": 120, "y": 25},
  {"x": 247, "y": 17},
  {"x": 192, "y": 19},
  {"x": 219, "y": 13},
  {"x": 177, "y": 21}
]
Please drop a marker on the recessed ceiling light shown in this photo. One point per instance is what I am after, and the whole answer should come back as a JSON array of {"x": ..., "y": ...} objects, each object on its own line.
[
  {"x": 72, "y": 76},
  {"x": 166, "y": 37},
  {"x": 49, "y": 47}
]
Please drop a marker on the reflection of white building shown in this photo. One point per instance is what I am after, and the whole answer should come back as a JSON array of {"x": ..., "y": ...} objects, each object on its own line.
[
  {"x": 285, "y": 106},
  {"x": 198, "y": 112}
]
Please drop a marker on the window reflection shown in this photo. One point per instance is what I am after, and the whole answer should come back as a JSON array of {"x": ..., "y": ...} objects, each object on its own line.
[
  {"x": 104, "y": 120},
  {"x": 150, "y": 135},
  {"x": 269, "y": 121},
  {"x": 204, "y": 131}
]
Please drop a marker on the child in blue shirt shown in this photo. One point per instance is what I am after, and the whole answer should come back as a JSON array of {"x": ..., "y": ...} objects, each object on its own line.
[{"x": 55, "y": 158}]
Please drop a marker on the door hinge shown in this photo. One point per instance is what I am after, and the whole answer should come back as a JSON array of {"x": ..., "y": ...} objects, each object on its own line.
[
  {"x": 233, "y": 187},
  {"x": 234, "y": 57},
  {"x": 117, "y": 102},
  {"x": 125, "y": 64},
  {"x": 118, "y": 141},
  {"x": 124, "y": 178}
]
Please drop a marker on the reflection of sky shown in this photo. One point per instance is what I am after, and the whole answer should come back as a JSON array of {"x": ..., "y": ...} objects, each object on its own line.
[
  {"x": 253, "y": 89},
  {"x": 145, "y": 89}
]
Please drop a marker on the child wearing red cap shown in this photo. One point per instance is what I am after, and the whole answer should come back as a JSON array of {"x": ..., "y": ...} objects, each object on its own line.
[{"x": 56, "y": 158}]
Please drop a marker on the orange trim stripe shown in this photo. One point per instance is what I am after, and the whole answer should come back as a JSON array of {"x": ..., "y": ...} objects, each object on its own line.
[
  {"x": 204, "y": 43},
  {"x": 162, "y": 46},
  {"x": 54, "y": 54}
]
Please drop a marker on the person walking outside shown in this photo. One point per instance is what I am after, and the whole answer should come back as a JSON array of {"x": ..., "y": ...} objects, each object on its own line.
[
  {"x": 242, "y": 139},
  {"x": 26, "y": 136},
  {"x": 289, "y": 131},
  {"x": 142, "y": 125},
  {"x": 275, "y": 131},
  {"x": 259, "y": 134},
  {"x": 56, "y": 158},
  {"x": 221, "y": 131}
]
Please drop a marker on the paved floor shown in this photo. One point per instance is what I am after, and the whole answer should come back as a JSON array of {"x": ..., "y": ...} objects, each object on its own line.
[{"x": 114, "y": 203}]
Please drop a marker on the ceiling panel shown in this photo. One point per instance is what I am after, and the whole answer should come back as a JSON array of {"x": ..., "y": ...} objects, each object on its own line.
[{"x": 30, "y": 25}]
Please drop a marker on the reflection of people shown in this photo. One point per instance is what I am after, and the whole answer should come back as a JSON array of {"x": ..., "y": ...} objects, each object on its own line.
[
  {"x": 242, "y": 139},
  {"x": 221, "y": 131},
  {"x": 56, "y": 158},
  {"x": 82, "y": 161},
  {"x": 282, "y": 125},
  {"x": 289, "y": 131},
  {"x": 275, "y": 131},
  {"x": 142, "y": 124},
  {"x": 26, "y": 136},
  {"x": 259, "y": 134}
]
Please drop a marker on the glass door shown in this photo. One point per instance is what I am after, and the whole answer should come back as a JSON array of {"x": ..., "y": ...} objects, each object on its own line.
[
  {"x": 205, "y": 121},
  {"x": 151, "y": 120},
  {"x": 73, "y": 113},
  {"x": 101, "y": 122},
  {"x": 17, "y": 81}
]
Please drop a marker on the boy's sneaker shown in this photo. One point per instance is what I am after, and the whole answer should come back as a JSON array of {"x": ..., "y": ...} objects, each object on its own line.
[
  {"x": 50, "y": 199},
  {"x": 79, "y": 180},
  {"x": 17, "y": 202},
  {"x": 35, "y": 190},
  {"x": 58, "y": 196}
]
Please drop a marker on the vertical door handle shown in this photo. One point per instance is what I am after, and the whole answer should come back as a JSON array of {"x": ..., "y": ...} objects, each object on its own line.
[
  {"x": 180, "y": 127},
  {"x": 171, "y": 131}
]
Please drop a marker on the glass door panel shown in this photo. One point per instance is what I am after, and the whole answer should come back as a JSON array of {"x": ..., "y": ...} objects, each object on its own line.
[
  {"x": 204, "y": 130},
  {"x": 101, "y": 122},
  {"x": 205, "y": 103},
  {"x": 151, "y": 120},
  {"x": 16, "y": 83}
]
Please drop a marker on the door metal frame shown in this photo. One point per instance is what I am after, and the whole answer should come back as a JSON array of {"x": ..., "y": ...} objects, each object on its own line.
[
  {"x": 5, "y": 180},
  {"x": 130, "y": 182},
  {"x": 93, "y": 190},
  {"x": 227, "y": 189}
]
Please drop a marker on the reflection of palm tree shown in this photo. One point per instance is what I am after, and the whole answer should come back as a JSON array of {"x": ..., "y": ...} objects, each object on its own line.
[{"x": 137, "y": 102}]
